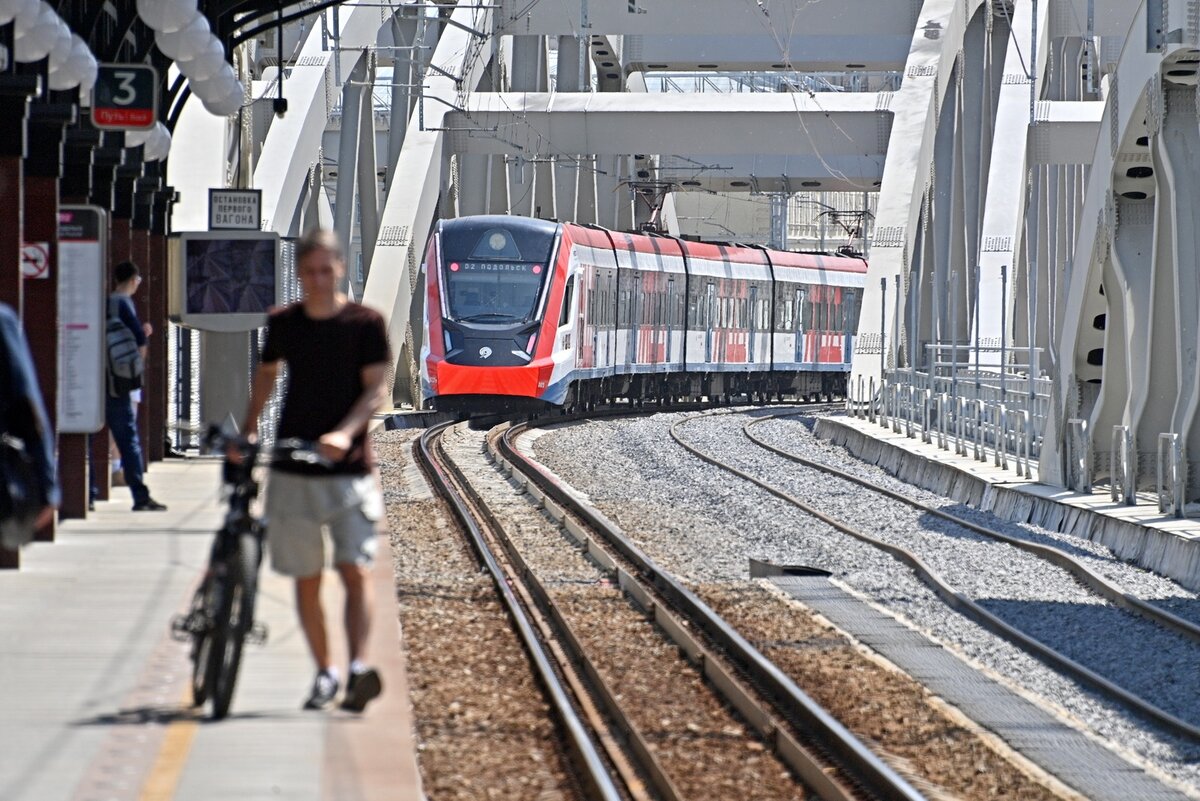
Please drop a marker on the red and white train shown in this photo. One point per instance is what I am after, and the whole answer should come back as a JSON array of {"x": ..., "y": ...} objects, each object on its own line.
[{"x": 522, "y": 314}]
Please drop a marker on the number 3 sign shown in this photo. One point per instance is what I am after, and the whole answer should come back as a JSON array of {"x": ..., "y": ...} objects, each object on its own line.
[{"x": 125, "y": 97}]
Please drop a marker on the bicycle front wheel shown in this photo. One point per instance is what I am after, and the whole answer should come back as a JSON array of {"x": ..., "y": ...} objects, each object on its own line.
[
  {"x": 233, "y": 621},
  {"x": 203, "y": 609}
]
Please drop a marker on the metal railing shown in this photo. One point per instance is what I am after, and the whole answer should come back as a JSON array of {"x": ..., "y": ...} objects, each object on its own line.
[{"x": 974, "y": 426}]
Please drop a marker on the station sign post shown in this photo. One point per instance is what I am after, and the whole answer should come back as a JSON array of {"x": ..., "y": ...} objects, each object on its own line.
[
  {"x": 234, "y": 209},
  {"x": 125, "y": 97}
]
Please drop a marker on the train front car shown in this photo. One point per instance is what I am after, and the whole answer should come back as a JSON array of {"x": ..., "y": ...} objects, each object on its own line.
[{"x": 489, "y": 340}]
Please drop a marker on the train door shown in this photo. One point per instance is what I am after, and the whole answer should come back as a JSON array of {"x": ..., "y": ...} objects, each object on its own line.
[
  {"x": 800, "y": 298},
  {"x": 635, "y": 304},
  {"x": 751, "y": 319},
  {"x": 670, "y": 315},
  {"x": 849, "y": 304},
  {"x": 710, "y": 318}
]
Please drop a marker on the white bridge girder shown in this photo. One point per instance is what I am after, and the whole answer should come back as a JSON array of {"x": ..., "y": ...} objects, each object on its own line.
[{"x": 1129, "y": 329}]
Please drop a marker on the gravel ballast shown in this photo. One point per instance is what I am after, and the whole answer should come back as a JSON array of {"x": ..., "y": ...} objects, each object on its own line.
[
  {"x": 483, "y": 728},
  {"x": 704, "y": 524}
]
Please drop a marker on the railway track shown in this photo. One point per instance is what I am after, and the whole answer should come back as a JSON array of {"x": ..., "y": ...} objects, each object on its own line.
[
  {"x": 957, "y": 599},
  {"x": 614, "y": 756}
]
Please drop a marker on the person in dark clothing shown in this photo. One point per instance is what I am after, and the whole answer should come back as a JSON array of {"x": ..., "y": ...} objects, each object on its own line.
[
  {"x": 337, "y": 356},
  {"x": 23, "y": 416},
  {"x": 119, "y": 412}
]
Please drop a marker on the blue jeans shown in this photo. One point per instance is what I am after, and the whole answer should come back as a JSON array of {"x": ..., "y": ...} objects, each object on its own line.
[{"x": 119, "y": 414}]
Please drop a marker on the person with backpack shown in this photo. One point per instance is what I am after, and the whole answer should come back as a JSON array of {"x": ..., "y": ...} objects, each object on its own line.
[{"x": 126, "y": 338}]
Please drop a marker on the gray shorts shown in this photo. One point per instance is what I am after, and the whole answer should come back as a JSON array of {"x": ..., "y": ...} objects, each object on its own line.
[{"x": 298, "y": 510}]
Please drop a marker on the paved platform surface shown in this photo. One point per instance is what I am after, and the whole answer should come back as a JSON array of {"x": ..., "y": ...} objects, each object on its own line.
[{"x": 95, "y": 697}]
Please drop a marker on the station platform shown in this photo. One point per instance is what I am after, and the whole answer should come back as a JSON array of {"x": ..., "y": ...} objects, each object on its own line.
[
  {"x": 1139, "y": 534},
  {"x": 95, "y": 695}
]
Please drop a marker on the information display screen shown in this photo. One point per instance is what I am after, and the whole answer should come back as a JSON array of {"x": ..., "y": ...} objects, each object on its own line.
[{"x": 226, "y": 280}]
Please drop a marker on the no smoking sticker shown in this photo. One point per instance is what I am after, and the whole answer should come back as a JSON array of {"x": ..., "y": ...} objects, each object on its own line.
[{"x": 35, "y": 260}]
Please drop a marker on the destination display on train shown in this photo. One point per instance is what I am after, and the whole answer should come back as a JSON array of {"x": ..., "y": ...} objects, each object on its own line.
[{"x": 494, "y": 267}]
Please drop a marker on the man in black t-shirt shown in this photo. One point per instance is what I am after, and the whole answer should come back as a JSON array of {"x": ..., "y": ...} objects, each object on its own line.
[{"x": 337, "y": 355}]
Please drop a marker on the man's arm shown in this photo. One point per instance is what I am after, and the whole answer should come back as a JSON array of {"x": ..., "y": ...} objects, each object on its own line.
[{"x": 336, "y": 443}]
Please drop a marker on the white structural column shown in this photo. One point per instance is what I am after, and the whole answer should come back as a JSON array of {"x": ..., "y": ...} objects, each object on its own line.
[
  {"x": 910, "y": 149},
  {"x": 1179, "y": 164},
  {"x": 344, "y": 201},
  {"x": 1007, "y": 184},
  {"x": 409, "y": 215},
  {"x": 368, "y": 181},
  {"x": 407, "y": 28},
  {"x": 1129, "y": 312}
]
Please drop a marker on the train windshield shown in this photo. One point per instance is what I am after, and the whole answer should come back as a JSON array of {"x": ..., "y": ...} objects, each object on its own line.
[{"x": 494, "y": 274}]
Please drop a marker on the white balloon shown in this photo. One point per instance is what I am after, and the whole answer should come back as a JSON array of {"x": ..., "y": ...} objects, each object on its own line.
[
  {"x": 136, "y": 138},
  {"x": 87, "y": 77},
  {"x": 211, "y": 87},
  {"x": 60, "y": 51},
  {"x": 11, "y": 9},
  {"x": 205, "y": 62},
  {"x": 151, "y": 12},
  {"x": 177, "y": 14},
  {"x": 185, "y": 42},
  {"x": 166, "y": 15},
  {"x": 229, "y": 102},
  {"x": 35, "y": 36},
  {"x": 161, "y": 143}
]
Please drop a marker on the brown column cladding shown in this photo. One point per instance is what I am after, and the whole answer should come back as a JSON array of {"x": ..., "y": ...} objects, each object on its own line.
[
  {"x": 156, "y": 401},
  {"x": 15, "y": 91},
  {"x": 140, "y": 254},
  {"x": 41, "y": 296}
]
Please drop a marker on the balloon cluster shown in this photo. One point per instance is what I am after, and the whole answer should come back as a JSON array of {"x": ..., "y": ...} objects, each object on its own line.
[
  {"x": 40, "y": 32},
  {"x": 182, "y": 33}
]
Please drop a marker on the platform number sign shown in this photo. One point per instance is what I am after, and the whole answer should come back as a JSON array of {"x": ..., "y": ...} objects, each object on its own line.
[{"x": 125, "y": 97}]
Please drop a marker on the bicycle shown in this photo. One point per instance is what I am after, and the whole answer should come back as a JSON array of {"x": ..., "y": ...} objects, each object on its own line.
[{"x": 220, "y": 619}]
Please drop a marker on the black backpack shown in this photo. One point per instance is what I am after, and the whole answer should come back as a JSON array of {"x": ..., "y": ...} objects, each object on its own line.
[{"x": 124, "y": 359}]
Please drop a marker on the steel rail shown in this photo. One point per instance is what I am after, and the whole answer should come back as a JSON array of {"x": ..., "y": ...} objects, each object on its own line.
[
  {"x": 594, "y": 770},
  {"x": 960, "y": 602},
  {"x": 1100, "y": 585},
  {"x": 857, "y": 762}
]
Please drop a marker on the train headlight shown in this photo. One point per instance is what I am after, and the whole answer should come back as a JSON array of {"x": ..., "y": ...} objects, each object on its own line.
[{"x": 497, "y": 241}]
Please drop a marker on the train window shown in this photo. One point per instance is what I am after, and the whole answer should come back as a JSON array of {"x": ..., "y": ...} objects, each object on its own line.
[{"x": 568, "y": 298}]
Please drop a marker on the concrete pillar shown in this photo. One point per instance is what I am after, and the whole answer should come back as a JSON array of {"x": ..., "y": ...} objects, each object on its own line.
[
  {"x": 543, "y": 190},
  {"x": 525, "y": 76},
  {"x": 497, "y": 197},
  {"x": 566, "y": 185},
  {"x": 567, "y": 79},
  {"x": 472, "y": 185},
  {"x": 607, "y": 177},
  {"x": 585, "y": 193},
  {"x": 623, "y": 196}
]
